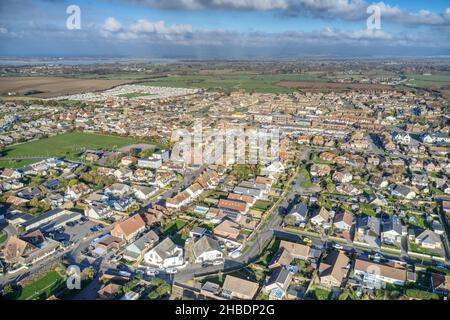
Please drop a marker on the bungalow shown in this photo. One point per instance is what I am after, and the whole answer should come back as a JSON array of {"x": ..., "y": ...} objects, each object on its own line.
[
  {"x": 143, "y": 192},
  {"x": 207, "y": 249},
  {"x": 227, "y": 230},
  {"x": 319, "y": 170},
  {"x": 440, "y": 283},
  {"x": 378, "y": 182},
  {"x": 429, "y": 239},
  {"x": 347, "y": 188},
  {"x": 77, "y": 191},
  {"x": 248, "y": 199},
  {"x": 342, "y": 177},
  {"x": 403, "y": 191},
  {"x": 236, "y": 288},
  {"x": 11, "y": 174},
  {"x": 129, "y": 228},
  {"x": 118, "y": 189},
  {"x": 401, "y": 137},
  {"x": 300, "y": 213},
  {"x": 321, "y": 218},
  {"x": 333, "y": 269},
  {"x": 29, "y": 248},
  {"x": 110, "y": 291},
  {"x": 392, "y": 230},
  {"x": 377, "y": 275},
  {"x": 178, "y": 201},
  {"x": 233, "y": 205},
  {"x": 165, "y": 254},
  {"x": 343, "y": 220},
  {"x": 435, "y": 138},
  {"x": 278, "y": 283},
  {"x": 368, "y": 230},
  {"x": 128, "y": 160},
  {"x": 135, "y": 250},
  {"x": 194, "y": 190},
  {"x": 287, "y": 252},
  {"x": 98, "y": 210}
]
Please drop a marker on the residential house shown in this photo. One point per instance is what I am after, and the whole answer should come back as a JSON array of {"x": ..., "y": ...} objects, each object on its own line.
[
  {"x": 321, "y": 218},
  {"x": 287, "y": 252},
  {"x": 377, "y": 275},
  {"x": 343, "y": 221},
  {"x": 300, "y": 213},
  {"x": 429, "y": 239},
  {"x": 227, "y": 230},
  {"x": 440, "y": 283},
  {"x": 333, "y": 269},
  {"x": 165, "y": 254},
  {"x": 403, "y": 191},
  {"x": 144, "y": 193},
  {"x": 118, "y": 189},
  {"x": 207, "y": 249},
  {"x": 233, "y": 205},
  {"x": 129, "y": 228},
  {"x": 278, "y": 283},
  {"x": 29, "y": 249},
  {"x": 136, "y": 250},
  {"x": 236, "y": 288},
  {"x": 392, "y": 230},
  {"x": 368, "y": 231}
]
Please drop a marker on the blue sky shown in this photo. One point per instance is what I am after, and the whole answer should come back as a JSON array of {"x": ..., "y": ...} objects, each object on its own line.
[{"x": 224, "y": 28}]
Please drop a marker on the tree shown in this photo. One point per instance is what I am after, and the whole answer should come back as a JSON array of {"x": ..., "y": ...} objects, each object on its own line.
[{"x": 290, "y": 220}]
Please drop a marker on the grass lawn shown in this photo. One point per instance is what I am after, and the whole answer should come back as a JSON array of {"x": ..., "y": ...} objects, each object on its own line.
[
  {"x": 3, "y": 237},
  {"x": 68, "y": 145},
  {"x": 256, "y": 83},
  {"x": 319, "y": 294},
  {"x": 262, "y": 205},
  {"x": 174, "y": 227},
  {"x": 42, "y": 288},
  {"x": 414, "y": 247}
]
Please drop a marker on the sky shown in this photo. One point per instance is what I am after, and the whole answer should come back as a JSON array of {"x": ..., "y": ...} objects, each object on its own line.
[{"x": 230, "y": 29}]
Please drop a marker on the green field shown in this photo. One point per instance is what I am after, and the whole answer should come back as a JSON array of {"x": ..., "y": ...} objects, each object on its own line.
[
  {"x": 42, "y": 288},
  {"x": 135, "y": 95},
  {"x": 3, "y": 237},
  {"x": 256, "y": 83},
  {"x": 69, "y": 145},
  {"x": 429, "y": 81}
]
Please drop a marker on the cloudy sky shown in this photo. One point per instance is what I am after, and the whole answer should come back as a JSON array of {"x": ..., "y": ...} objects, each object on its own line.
[{"x": 225, "y": 28}]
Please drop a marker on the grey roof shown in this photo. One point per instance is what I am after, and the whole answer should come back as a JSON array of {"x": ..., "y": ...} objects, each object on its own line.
[
  {"x": 145, "y": 240},
  {"x": 205, "y": 244},
  {"x": 247, "y": 191},
  {"x": 165, "y": 248},
  {"x": 301, "y": 209},
  {"x": 280, "y": 276},
  {"x": 429, "y": 236},
  {"x": 370, "y": 223},
  {"x": 394, "y": 223},
  {"x": 403, "y": 190}
]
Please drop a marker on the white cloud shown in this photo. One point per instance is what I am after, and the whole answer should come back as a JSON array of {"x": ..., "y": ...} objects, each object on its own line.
[
  {"x": 158, "y": 27},
  {"x": 349, "y": 10},
  {"x": 111, "y": 25},
  {"x": 3, "y": 30}
]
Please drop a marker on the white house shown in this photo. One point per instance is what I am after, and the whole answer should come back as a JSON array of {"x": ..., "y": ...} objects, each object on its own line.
[
  {"x": 207, "y": 249},
  {"x": 165, "y": 254}
]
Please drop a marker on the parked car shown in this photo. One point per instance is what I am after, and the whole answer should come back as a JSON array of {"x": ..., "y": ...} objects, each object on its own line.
[
  {"x": 217, "y": 262},
  {"x": 171, "y": 270},
  {"x": 122, "y": 267},
  {"x": 152, "y": 272}
]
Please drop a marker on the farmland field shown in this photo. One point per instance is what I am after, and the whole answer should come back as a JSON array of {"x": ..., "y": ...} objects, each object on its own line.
[
  {"x": 47, "y": 87},
  {"x": 432, "y": 81},
  {"x": 68, "y": 145},
  {"x": 257, "y": 83}
]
